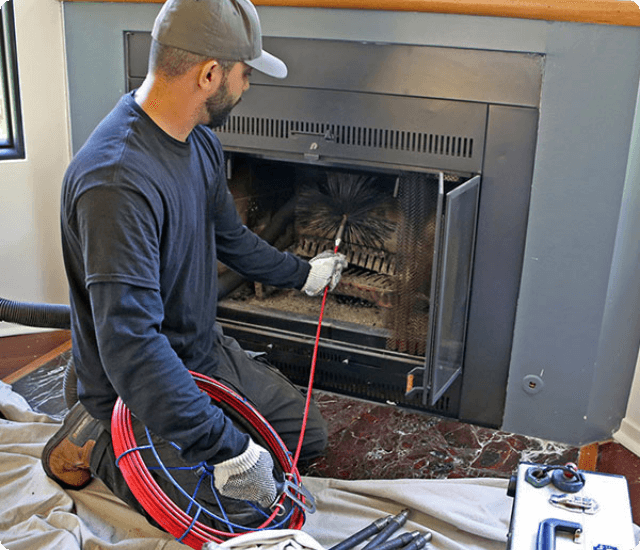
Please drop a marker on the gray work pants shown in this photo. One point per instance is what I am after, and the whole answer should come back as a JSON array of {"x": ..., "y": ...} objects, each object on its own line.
[{"x": 271, "y": 393}]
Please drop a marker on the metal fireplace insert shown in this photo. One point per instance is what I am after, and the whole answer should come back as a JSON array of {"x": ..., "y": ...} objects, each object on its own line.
[{"x": 431, "y": 150}]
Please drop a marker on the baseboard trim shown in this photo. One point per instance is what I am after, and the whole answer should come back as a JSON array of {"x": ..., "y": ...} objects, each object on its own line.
[
  {"x": 9, "y": 329},
  {"x": 588, "y": 458},
  {"x": 629, "y": 436}
]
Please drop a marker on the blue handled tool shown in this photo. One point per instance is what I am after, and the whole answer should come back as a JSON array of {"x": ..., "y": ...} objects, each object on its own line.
[{"x": 548, "y": 529}]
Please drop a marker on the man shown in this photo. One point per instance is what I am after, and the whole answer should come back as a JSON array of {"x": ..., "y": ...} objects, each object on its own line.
[{"x": 146, "y": 215}]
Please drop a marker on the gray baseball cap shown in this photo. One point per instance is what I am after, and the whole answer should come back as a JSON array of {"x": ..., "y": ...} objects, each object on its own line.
[{"x": 220, "y": 29}]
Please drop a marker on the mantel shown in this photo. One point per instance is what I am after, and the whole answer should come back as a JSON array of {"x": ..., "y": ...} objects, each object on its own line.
[{"x": 605, "y": 12}]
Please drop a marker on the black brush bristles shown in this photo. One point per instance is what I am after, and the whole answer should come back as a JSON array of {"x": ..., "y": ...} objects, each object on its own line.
[{"x": 321, "y": 209}]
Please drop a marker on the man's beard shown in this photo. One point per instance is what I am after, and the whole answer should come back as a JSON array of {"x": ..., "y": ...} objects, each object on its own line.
[{"x": 219, "y": 106}]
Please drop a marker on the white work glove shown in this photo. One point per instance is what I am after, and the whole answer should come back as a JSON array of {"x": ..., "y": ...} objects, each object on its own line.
[
  {"x": 326, "y": 269},
  {"x": 248, "y": 476}
]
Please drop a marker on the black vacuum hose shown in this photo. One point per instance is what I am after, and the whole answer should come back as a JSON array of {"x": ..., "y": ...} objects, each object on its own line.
[{"x": 35, "y": 314}]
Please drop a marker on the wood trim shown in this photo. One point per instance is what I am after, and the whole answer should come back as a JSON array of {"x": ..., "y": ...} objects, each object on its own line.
[
  {"x": 43, "y": 360},
  {"x": 604, "y": 12},
  {"x": 588, "y": 457}
]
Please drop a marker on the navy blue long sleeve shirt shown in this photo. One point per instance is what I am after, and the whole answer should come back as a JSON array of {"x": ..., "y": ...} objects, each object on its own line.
[{"x": 145, "y": 218}]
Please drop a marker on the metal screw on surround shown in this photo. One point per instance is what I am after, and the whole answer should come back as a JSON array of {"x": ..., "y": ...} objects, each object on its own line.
[{"x": 532, "y": 384}]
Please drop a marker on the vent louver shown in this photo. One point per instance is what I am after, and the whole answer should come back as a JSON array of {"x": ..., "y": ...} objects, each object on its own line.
[{"x": 358, "y": 136}]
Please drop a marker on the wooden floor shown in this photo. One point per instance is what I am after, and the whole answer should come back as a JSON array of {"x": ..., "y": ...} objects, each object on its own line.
[{"x": 23, "y": 355}]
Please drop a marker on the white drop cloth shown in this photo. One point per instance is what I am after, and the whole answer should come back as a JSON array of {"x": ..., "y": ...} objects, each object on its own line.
[
  {"x": 36, "y": 514},
  {"x": 464, "y": 514}
]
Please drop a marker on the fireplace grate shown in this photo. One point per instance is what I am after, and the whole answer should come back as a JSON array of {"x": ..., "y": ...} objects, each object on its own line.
[{"x": 358, "y": 136}]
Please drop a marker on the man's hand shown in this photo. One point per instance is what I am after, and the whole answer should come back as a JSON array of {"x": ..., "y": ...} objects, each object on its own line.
[
  {"x": 248, "y": 476},
  {"x": 326, "y": 269}
]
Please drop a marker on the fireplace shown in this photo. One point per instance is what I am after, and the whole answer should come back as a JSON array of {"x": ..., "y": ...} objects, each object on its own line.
[
  {"x": 402, "y": 302},
  {"x": 424, "y": 315}
]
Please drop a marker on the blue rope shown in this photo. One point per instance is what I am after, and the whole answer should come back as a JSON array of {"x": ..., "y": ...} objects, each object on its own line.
[
  {"x": 224, "y": 513},
  {"x": 195, "y": 492},
  {"x": 146, "y": 447},
  {"x": 193, "y": 522},
  {"x": 206, "y": 471}
]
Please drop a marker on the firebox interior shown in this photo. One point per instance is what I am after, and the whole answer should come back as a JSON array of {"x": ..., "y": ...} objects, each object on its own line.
[{"x": 377, "y": 321}]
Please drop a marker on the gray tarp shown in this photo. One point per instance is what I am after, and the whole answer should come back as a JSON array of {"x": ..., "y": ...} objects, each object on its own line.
[{"x": 36, "y": 514}]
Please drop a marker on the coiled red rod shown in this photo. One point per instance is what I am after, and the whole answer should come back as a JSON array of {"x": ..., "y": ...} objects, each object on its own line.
[{"x": 153, "y": 499}]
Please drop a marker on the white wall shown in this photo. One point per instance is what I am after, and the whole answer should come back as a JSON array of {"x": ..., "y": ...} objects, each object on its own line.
[
  {"x": 629, "y": 433},
  {"x": 30, "y": 257}
]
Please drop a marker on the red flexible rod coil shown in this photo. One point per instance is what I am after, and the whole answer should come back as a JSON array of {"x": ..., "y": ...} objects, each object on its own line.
[{"x": 153, "y": 499}]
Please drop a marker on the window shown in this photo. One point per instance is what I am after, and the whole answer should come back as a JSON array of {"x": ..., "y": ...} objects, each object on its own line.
[{"x": 11, "y": 135}]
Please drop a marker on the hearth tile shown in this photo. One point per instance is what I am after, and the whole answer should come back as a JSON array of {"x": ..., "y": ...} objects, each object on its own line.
[
  {"x": 458, "y": 434},
  {"x": 370, "y": 440},
  {"x": 499, "y": 457}
]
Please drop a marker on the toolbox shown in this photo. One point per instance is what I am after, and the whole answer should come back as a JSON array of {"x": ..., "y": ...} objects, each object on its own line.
[{"x": 563, "y": 508}]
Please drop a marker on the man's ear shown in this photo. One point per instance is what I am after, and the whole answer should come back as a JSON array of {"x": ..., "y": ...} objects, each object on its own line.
[{"x": 210, "y": 75}]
